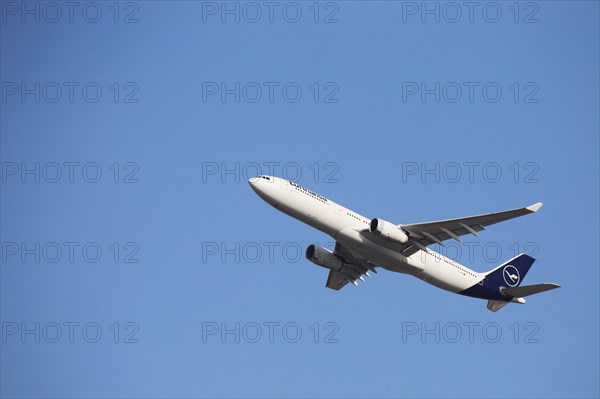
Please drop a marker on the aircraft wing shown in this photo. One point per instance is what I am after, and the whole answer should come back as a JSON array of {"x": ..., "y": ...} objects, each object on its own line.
[
  {"x": 423, "y": 234},
  {"x": 336, "y": 280},
  {"x": 353, "y": 269}
]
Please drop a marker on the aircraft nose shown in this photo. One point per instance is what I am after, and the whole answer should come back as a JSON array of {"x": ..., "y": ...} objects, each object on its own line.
[{"x": 253, "y": 182}]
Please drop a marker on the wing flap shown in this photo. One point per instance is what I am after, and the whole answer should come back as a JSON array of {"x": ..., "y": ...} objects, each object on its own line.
[
  {"x": 352, "y": 270},
  {"x": 336, "y": 280}
]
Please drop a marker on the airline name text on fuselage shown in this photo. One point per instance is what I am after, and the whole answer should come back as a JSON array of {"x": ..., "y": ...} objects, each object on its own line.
[{"x": 307, "y": 191}]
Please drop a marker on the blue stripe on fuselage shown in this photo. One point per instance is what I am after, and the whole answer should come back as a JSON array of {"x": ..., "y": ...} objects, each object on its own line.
[
  {"x": 489, "y": 288},
  {"x": 485, "y": 290}
]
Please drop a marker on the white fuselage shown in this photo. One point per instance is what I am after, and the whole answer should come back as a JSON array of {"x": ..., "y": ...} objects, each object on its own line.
[{"x": 352, "y": 231}]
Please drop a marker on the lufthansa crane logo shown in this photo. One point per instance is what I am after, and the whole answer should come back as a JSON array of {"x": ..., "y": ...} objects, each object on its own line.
[{"x": 511, "y": 275}]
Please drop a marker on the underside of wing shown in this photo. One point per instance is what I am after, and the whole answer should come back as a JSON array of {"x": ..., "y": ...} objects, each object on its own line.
[
  {"x": 423, "y": 234},
  {"x": 336, "y": 280},
  {"x": 352, "y": 270}
]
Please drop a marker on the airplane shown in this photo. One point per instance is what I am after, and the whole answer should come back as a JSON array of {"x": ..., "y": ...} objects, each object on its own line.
[{"x": 364, "y": 244}]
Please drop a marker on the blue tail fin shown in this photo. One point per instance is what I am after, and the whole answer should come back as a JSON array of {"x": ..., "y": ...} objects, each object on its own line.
[{"x": 511, "y": 273}]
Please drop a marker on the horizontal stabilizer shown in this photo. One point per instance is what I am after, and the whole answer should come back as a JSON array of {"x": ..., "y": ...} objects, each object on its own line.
[
  {"x": 529, "y": 289},
  {"x": 495, "y": 306}
]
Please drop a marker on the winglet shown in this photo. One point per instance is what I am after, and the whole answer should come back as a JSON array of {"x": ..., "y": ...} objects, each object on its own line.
[{"x": 535, "y": 207}]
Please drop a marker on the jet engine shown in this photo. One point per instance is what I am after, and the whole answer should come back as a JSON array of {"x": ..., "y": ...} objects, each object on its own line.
[
  {"x": 323, "y": 257},
  {"x": 388, "y": 230}
]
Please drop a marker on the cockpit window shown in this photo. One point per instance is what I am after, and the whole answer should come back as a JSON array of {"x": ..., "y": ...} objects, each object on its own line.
[{"x": 265, "y": 177}]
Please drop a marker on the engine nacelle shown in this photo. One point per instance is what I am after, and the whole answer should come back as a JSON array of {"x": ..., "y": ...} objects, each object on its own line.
[
  {"x": 323, "y": 257},
  {"x": 388, "y": 230}
]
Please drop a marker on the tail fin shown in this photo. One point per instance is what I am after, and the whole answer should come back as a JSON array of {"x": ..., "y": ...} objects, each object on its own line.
[
  {"x": 511, "y": 273},
  {"x": 508, "y": 276}
]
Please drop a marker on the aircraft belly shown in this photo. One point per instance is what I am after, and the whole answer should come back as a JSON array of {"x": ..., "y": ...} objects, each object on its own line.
[{"x": 373, "y": 252}]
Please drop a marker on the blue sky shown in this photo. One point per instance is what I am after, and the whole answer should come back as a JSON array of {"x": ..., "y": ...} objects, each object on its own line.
[{"x": 134, "y": 251}]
